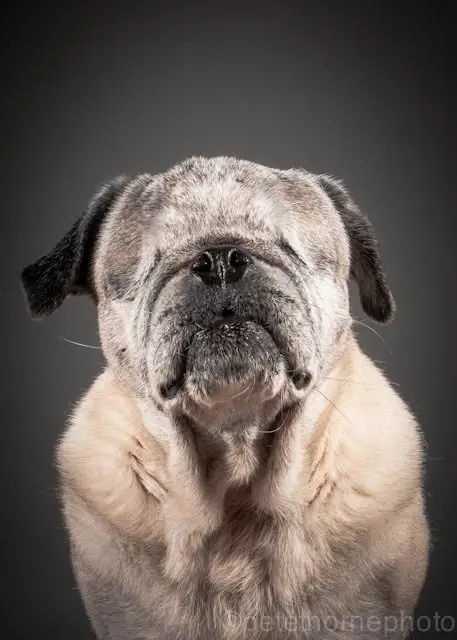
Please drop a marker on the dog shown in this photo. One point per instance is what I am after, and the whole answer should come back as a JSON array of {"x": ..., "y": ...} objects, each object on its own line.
[{"x": 240, "y": 469}]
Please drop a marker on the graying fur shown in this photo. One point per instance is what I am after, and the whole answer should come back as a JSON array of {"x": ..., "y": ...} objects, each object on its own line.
[{"x": 206, "y": 495}]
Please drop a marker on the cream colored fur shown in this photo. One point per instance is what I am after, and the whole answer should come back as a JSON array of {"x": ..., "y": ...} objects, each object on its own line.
[
  {"x": 344, "y": 474},
  {"x": 240, "y": 470}
]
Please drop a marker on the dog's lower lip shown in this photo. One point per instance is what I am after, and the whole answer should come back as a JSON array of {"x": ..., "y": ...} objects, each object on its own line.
[
  {"x": 231, "y": 319},
  {"x": 172, "y": 388}
]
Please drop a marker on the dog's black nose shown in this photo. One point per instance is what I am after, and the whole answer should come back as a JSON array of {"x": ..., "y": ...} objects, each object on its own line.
[{"x": 221, "y": 265}]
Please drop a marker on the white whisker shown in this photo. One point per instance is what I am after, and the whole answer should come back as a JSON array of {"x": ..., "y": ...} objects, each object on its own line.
[
  {"x": 333, "y": 405},
  {"x": 248, "y": 388},
  {"x": 363, "y": 324},
  {"x": 79, "y": 344},
  {"x": 277, "y": 428},
  {"x": 281, "y": 412}
]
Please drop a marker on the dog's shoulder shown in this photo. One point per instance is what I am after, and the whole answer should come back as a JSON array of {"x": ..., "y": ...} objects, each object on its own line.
[
  {"x": 101, "y": 459},
  {"x": 383, "y": 423},
  {"x": 368, "y": 444}
]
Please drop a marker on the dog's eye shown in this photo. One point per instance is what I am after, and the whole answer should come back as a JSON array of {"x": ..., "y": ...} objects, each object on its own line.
[
  {"x": 287, "y": 248},
  {"x": 290, "y": 251}
]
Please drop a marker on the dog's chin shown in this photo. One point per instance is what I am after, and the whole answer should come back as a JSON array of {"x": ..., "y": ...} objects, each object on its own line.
[
  {"x": 233, "y": 364},
  {"x": 233, "y": 373}
]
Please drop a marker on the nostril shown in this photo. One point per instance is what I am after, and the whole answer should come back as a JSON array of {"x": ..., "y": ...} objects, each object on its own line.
[
  {"x": 237, "y": 259},
  {"x": 203, "y": 264},
  {"x": 221, "y": 265}
]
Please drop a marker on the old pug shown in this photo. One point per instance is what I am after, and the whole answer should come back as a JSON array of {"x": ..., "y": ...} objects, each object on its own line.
[{"x": 240, "y": 469}]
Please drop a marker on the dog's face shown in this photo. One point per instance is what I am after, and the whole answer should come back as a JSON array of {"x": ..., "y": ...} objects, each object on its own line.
[{"x": 221, "y": 285}]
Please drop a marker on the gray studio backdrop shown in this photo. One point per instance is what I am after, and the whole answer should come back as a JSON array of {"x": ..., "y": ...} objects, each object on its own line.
[{"x": 91, "y": 90}]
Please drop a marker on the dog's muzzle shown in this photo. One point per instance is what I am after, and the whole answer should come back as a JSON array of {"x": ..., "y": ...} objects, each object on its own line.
[{"x": 232, "y": 349}]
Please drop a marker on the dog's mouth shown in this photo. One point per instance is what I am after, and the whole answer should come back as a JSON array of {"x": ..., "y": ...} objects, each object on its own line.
[{"x": 231, "y": 349}]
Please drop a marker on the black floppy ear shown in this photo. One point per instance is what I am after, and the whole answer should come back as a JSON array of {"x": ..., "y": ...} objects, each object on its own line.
[
  {"x": 366, "y": 265},
  {"x": 66, "y": 269}
]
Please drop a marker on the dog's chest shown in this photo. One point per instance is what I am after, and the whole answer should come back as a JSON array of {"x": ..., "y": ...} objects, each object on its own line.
[
  {"x": 254, "y": 577},
  {"x": 253, "y": 552}
]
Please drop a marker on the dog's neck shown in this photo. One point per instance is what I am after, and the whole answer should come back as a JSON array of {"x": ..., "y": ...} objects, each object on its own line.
[{"x": 277, "y": 473}]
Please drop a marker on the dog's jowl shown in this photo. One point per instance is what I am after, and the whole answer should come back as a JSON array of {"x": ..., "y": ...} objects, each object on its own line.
[{"x": 240, "y": 469}]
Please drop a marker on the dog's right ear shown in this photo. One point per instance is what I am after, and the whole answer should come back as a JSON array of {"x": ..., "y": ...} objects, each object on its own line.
[{"x": 67, "y": 269}]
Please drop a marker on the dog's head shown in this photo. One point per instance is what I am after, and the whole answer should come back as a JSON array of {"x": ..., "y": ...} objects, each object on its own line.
[{"x": 221, "y": 285}]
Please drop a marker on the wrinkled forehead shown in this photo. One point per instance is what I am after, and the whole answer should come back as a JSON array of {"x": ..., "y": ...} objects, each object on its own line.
[
  {"x": 206, "y": 200},
  {"x": 197, "y": 207}
]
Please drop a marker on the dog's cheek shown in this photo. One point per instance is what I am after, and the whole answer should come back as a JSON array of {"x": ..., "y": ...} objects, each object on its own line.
[
  {"x": 118, "y": 345},
  {"x": 333, "y": 297}
]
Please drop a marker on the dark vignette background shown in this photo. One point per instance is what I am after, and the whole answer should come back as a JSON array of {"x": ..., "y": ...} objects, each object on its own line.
[{"x": 90, "y": 90}]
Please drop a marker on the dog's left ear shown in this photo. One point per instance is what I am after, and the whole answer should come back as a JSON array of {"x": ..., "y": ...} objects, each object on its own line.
[
  {"x": 67, "y": 269},
  {"x": 366, "y": 265}
]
